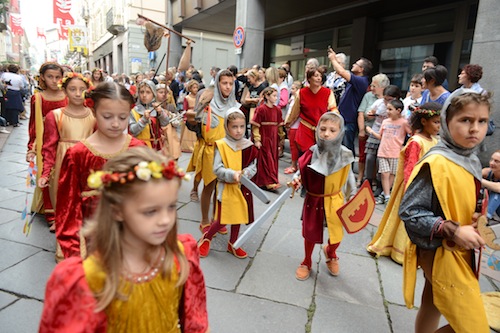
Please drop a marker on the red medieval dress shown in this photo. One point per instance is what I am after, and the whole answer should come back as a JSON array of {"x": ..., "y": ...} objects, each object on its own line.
[
  {"x": 312, "y": 107},
  {"x": 152, "y": 305},
  {"x": 40, "y": 107},
  {"x": 76, "y": 201},
  {"x": 267, "y": 120}
]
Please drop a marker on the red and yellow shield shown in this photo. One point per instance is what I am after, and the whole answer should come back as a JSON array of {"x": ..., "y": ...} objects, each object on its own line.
[{"x": 356, "y": 213}]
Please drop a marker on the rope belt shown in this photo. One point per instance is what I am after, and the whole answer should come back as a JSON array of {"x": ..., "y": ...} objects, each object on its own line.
[{"x": 270, "y": 123}]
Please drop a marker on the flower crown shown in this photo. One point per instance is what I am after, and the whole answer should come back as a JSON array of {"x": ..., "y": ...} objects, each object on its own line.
[
  {"x": 427, "y": 113},
  {"x": 143, "y": 171},
  {"x": 71, "y": 75}
]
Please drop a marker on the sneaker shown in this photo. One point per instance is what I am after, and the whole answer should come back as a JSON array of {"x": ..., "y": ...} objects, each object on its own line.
[
  {"x": 238, "y": 253},
  {"x": 380, "y": 200},
  {"x": 4, "y": 131},
  {"x": 302, "y": 273}
]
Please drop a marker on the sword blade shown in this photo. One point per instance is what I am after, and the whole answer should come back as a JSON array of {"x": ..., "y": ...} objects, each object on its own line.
[
  {"x": 263, "y": 218},
  {"x": 250, "y": 185}
]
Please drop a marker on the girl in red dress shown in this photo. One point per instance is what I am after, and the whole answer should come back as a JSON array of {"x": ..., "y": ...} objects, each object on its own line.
[
  {"x": 49, "y": 97},
  {"x": 140, "y": 275},
  {"x": 76, "y": 201},
  {"x": 63, "y": 128},
  {"x": 267, "y": 129}
]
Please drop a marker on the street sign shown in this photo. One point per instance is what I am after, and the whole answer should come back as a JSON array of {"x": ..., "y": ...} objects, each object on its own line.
[{"x": 238, "y": 37}]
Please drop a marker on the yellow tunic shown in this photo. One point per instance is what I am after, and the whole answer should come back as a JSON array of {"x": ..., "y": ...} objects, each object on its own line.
[
  {"x": 333, "y": 185},
  {"x": 207, "y": 149},
  {"x": 456, "y": 292},
  {"x": 391, "y": 237},
  {"x": 72, "y": 129},
  {"x": 151, "y": 306},
  {"x": 145, "y": 134},
  {"x": 188, "y": 138},
  {"x": 234, "y": 208}
]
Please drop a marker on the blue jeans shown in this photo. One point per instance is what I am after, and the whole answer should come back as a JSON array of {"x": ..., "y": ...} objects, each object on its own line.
[
  {"x": 3, "y": 122},
  {"x": 351, "y": 130},
  {"x": 493, "y": 204}
]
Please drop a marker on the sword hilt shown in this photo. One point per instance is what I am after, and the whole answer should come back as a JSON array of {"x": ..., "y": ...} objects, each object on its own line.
[{"x": 290, "y": 184}]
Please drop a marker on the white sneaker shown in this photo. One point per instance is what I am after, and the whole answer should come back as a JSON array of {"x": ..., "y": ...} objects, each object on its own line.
[{"x": 4, "y": 131}]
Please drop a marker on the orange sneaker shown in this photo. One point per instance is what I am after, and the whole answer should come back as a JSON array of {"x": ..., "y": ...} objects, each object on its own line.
[
  {"x": 331, "y": 263},
  {"x": 204, "y": 247},
  {"x": 238, "y": 253},
  {"x": 302, "y": 273}
]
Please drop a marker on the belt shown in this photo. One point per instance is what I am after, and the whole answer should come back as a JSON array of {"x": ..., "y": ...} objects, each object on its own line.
[
  {"x": 269, "y": 123},
  {"x": 323, "y": 195},
  {"x": 308, "y": 125}
]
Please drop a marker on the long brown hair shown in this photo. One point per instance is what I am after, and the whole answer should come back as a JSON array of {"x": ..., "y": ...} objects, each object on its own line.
[{"x": 105, "y": 233}]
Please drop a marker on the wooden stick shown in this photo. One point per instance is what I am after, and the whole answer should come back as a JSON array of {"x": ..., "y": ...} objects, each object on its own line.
[{"x": 165, "y": 27}]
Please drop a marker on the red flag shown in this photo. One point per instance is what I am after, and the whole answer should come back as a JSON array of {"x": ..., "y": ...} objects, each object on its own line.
[
  {"x": 62, "y": 17},
  {"x": 40, "y": 33},
  {"x": 15, "y": 24},
  {"x": 14, "y": 6}
]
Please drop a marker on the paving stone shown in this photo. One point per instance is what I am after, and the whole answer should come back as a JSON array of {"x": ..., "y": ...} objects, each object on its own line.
[
  {"x": 39, "y": 235},
  {"x": 21, "y": 317},
  {"x": 29, "y": 277},
  {"x": 16, "y": 202},
  {"x": 355, "y": 243},
  {"x": 222, "y": 270},
  {"x": 6, "y": 182},
  {"x": 229, "y": 312},
  {"x": 357, "y": 283},
  {"x": 287, "y": 242},
  {"x": 272, "y": 276},
  {"x": 402, "y": 318},
  {"x": 6, "y": 299},
  {"x": 7, "y": 215},
  {"x": 9, "y": 168},
  {"x": 13, "y": 252},
  {"x": 333, "y": 315}
]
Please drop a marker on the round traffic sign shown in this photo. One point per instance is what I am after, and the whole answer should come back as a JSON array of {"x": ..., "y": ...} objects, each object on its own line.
[{"x": 238, "y": 37}]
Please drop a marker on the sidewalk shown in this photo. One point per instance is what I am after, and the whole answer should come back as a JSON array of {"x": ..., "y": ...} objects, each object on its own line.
[{"x": 257, "y": 294}]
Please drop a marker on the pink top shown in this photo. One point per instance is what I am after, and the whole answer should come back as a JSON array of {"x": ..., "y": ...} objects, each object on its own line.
[{"x": 393, "y": 134}]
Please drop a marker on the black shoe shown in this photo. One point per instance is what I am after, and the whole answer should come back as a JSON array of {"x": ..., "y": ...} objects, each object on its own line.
[{"x": 378, "y": 192}]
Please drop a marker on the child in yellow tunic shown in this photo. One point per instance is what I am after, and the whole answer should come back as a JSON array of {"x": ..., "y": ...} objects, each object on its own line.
[
  {"x": 212, "y": 129},
  {"x": 325, "y": 172},
  {"x": 140, "y": 276},
  {"x": 391, "y": 238},
  {"x": 234, "y": 156},
  {"x": 439, "y": 209}
]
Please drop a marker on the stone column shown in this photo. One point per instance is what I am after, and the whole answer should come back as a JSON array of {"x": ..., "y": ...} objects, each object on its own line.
[
  {"x": 250, "y": 15},
  {"x": 485, "y": 51}
]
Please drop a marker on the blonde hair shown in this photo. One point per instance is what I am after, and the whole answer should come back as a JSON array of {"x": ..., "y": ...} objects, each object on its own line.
[
  {"x": 272, "y": 75},
  {"x": 105, "y": 233}
]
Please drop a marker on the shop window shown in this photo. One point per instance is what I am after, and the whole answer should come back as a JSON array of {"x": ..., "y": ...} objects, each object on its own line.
[{"x": 416, "y": 26}]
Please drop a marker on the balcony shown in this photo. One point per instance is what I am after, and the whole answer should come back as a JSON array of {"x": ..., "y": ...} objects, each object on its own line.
[{"x": 114, "y": 22}]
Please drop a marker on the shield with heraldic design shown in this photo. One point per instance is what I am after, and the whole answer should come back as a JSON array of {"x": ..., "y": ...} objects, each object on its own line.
[{"x": 356, "y": 213}]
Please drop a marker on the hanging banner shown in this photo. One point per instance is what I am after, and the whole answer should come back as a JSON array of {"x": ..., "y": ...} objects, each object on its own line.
[
  {"x": 78, "y": 39},
  {"x": 15, "y": 24},
  {"x": 62, "y": 17}
]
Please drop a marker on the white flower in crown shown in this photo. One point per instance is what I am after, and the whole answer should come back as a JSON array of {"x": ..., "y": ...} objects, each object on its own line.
[{"x": 143, "y": 172}]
